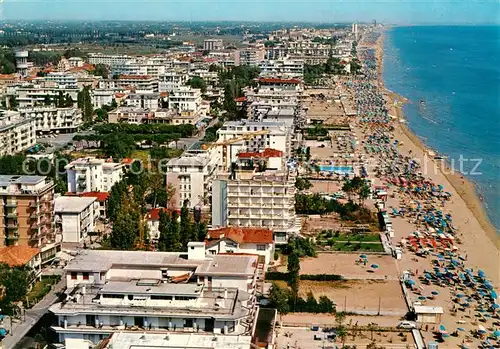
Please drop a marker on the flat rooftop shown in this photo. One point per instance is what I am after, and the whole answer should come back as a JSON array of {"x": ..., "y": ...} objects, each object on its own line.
[
  {"x": 6, "y": 180},
  {"x": 154, "y": 287},
  {"x": 72, "y": 204},
  {"x": 103, "y": 260},
  {"x": 130, "y": 340},
  {"x": 220, "y": 303}
]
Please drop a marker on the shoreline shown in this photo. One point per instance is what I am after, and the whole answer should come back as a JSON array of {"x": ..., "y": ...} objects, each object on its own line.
[{"x": 464, "y": 187}]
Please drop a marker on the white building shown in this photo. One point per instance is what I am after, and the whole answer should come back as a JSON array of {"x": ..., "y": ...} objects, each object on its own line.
[
  {"x": 257, "y": 241},
  {"x": 150, "y": 101},
  {"x": 17, "y": 133},
  {"x": 76, "y": 62},
  {"x": 213, "y": 45},
  {"x": 285, "y": 68},
  {"x": 265, "y": 200},
  {"x": 278, "y": 137},
  {"x": 102, "y": 97},
  {"x": 99, "y": 58},
  {"x": 161, "y": 292},
  {"x": 51, "y": 119},
  {"x": 141, "y": 83},
  {"x": 76, "y": 217},
  {"x": 93, "y": 175},
  {"x": 35, "y": 95},
  {"x": 170, "y": 81},
  {"x": 185, "y": 99},
  {"x": 192, "y": 178},
  {"x": 62, "y": 79}
]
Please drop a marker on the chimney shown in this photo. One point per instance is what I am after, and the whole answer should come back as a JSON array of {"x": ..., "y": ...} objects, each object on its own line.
[
  {"x": 225, "y": 293},
  {"x": 196, "y": 250}
]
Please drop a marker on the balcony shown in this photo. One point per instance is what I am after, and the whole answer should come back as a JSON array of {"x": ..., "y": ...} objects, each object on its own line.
[
  {"x": 11, "y": 204},
  {"x": 12, "y": 237},
  {"x": 11, "y": 214}
]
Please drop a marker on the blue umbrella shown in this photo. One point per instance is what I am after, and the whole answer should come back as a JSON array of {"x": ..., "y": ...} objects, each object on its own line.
[
  {"x": 496, "y": 333},
  {"x": 460, "y": 295},
  {"x": 481, "y": 273},
  {"x": 422, "y": 298},
  {"x": 374, "y": 266},
  {"x": 460, "y": 329},
  {"x": 363, "y": 256},
  {"x": 494, "y": 295},
  {"x": 495, "y": 306},
  {"x": 435, "y": 293},
  {"x": 410, "y": 282},
  {"x": 442, "y": 328}
]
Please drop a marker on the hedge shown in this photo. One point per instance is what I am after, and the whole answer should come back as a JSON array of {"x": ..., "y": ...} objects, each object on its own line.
[{"x": 278, "y": 276}]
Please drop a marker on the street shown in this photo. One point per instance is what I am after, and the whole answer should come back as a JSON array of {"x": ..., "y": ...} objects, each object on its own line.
[{"x": 31, "y": 317}]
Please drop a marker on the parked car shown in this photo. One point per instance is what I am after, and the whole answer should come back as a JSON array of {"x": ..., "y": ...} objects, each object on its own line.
[{"x": 406, "y": 325}]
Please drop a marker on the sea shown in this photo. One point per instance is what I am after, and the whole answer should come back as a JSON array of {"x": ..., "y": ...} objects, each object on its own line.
[{"x": 451, "y": 77}]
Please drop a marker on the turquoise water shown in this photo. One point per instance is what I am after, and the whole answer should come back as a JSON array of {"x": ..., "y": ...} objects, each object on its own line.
[
  {"x": 337, "y": 169},
  {"x": 454, "y": 71}
]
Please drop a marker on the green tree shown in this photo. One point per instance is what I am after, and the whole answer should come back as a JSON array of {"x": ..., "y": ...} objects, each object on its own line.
[
  {"x": 126, "y": 226},
  {"x": 279, "y": 298},
  {"x": 187, "y": 232},
  {"x": 302, "y": 183},
  {"x": 101, "y": 70},
  {"x": 198, "y": 82},
  {"x": 118, "y": 191},
  {"x": 164, "y": 241},
  {"x": 84, "y": 102},
  {"x": 13, "y": 104},
  {"x": 311, "y": 303},
  {"x": 15, "y": 281},
  {"x": 325, "y": 305}
]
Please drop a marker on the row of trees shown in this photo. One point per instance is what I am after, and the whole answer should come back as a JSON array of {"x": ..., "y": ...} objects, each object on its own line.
[
  {"x": 185, "y": 130},
  {"x": 85, "y": 104},
  {"x": 176, "y": 232}
]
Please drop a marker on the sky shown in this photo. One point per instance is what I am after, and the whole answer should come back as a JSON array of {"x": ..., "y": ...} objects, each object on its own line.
[{"x": 330, "y": 11}]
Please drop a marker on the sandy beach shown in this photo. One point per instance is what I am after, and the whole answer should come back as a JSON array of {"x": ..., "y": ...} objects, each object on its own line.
[{"x": 479, "y": 242}]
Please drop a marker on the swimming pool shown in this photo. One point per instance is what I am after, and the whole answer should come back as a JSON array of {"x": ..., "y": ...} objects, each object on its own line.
[{"x": 337, "y": 169}]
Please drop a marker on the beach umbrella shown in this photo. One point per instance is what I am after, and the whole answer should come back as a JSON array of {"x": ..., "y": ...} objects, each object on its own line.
[
  {"x": 496, "y": 333},
  {"x": 363, "y": 256},
  {"x": 422, "y": 298},
  {"x": 481, "y": 274},
  {"x": 435, "y": 293},
  {"x": 442, "y": 328},
  {"x": 410, "y": 282},
  {"x": 460, "y": 329},
  {"x": 374, "y": 266},
  {"x": 495, "y": 306},
  {"x": 494, "y": 295}
]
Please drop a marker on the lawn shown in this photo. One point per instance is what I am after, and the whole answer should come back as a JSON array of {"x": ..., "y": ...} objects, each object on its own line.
[
  {"x": 41, "y": 289},
  {"x": 357, "y": 246},
  {"x": 360, "y": 237}
]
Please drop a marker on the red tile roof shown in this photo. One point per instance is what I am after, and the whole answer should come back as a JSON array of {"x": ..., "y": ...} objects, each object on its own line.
[
  {"x": 267, "y": 153},
  {"x": 7, "y": 76},
  {"x": 163, "y": 94},
  {"x": 242, "y": 235},
  {"x": 154, "y": 213},
  {"x": 240, "y": 99},
  {"x": 127, "y": 161},
  {"x": 119, "y": 95},
  {"x": 101, "y": 196},
  {"x": 17, "y": 255},
  {"x": 279, "y": 81}
]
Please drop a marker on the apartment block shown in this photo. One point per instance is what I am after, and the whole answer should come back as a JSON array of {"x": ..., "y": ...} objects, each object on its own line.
[
  {"x": 149, "y": 100},
  {"x": 171, "y": 80},
  {"x": 213, "y": 45},
  {"x": 62, "y": 79},
  {"x": 75, "y": 217},
  {"x": 27, "y": 211},
  {"x": 35, "y": 95},
  {"x": 242, "y": 136},
  {"x": 17, "y": 133},
  {"x": 283, "y": 68},
  {"x": 99, "y": 58},
  {"x": 248, "y": 199},
  {"x": 192, "y": 178},
  {"x": 185, "y": 99},
  {"x": 157, "y": 292},
  {"x": 93, "y": 175},
  {"x": 51, "y": 119},
  {"x": 102, "y": 97},
  {"x": 141, "y": 83},
  {"x": 130, "y": 115}
]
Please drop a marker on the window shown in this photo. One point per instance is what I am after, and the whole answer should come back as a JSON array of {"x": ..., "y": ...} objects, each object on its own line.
[
  {"x": 116, "y": 296},
  {"x": 261, "y": 247},
  {"x": 85, "y": 276},
  {"x": 73, "y": 276},
  {"x": 166, "y": 298}
]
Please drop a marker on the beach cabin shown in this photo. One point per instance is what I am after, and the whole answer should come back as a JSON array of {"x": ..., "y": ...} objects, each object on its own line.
[{"x": 428, "y": 315}]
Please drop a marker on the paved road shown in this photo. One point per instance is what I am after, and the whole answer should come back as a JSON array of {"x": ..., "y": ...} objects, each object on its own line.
[{"x": 32, "y": 316}]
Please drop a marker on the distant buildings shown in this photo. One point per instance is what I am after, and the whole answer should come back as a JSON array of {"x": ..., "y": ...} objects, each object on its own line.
[
  {"x": 52, "y": 119},
  {"x": 93, "y": 175}
]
